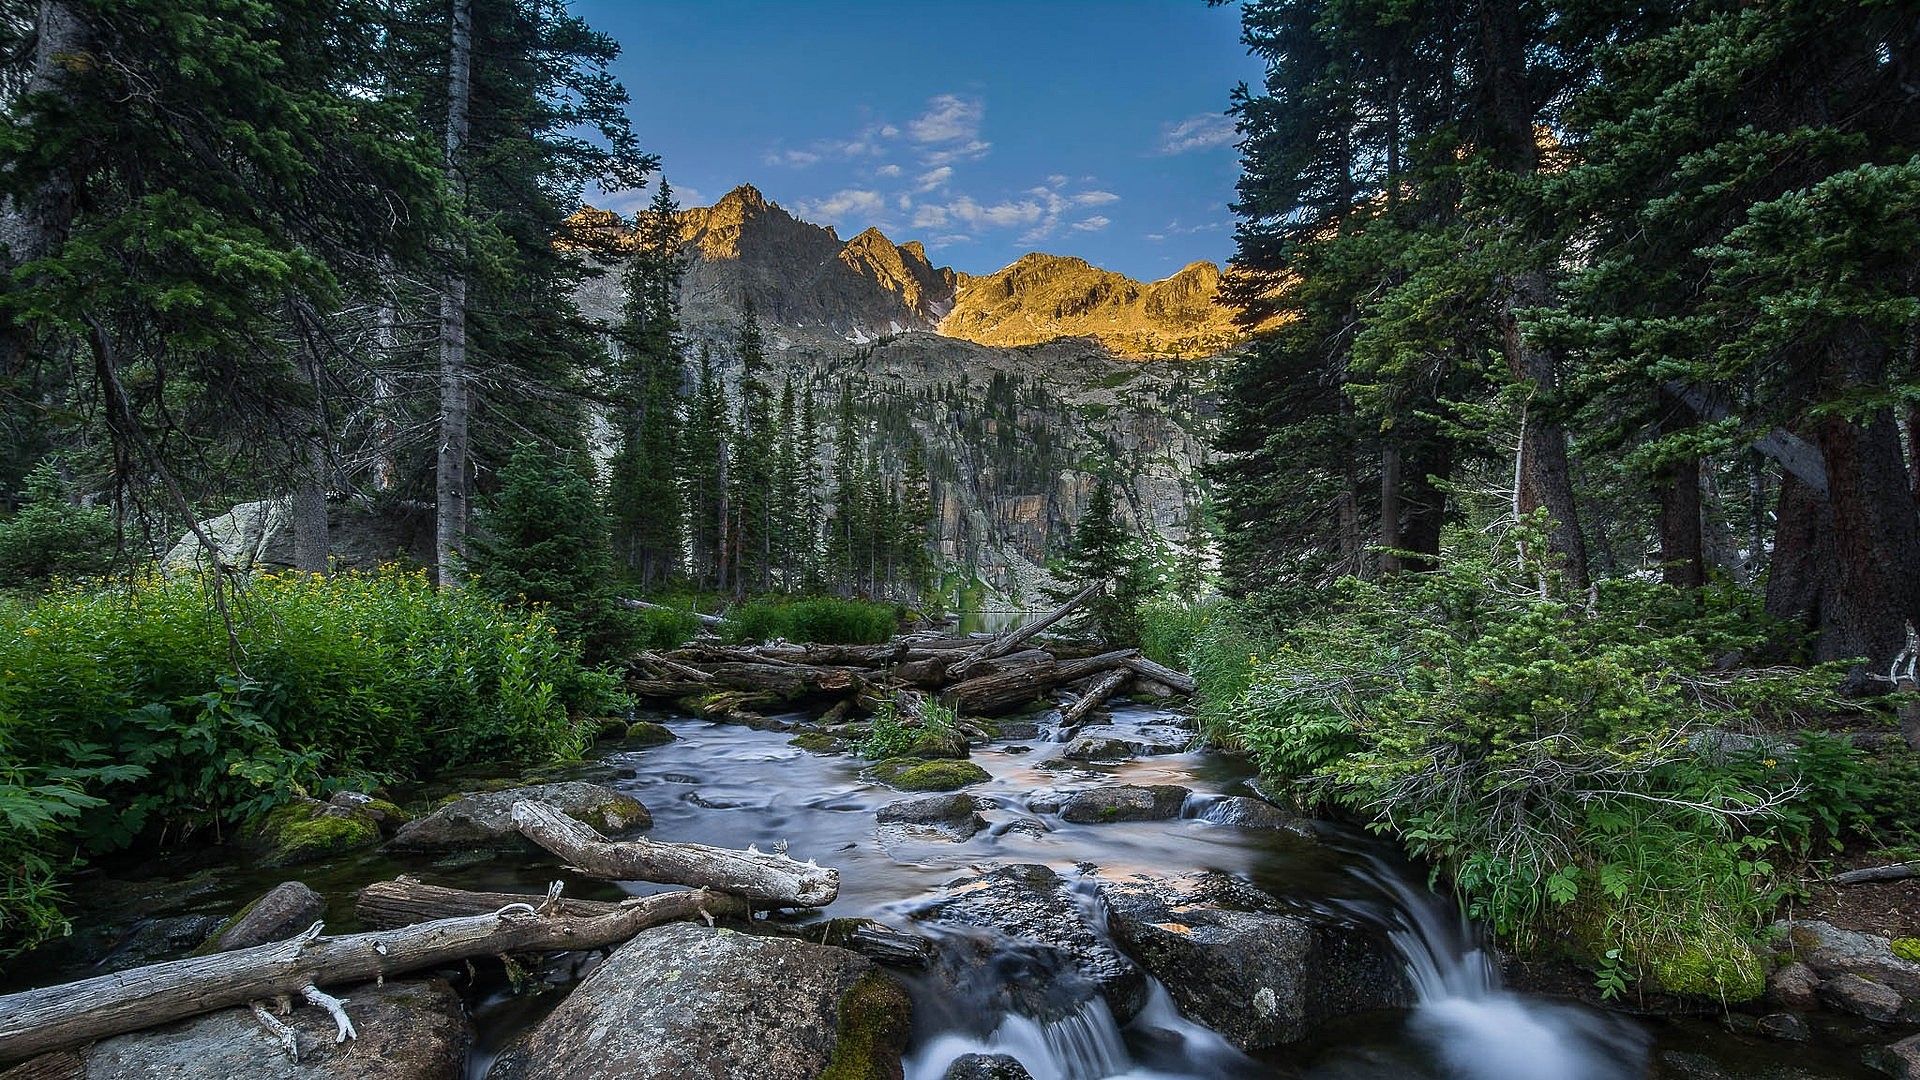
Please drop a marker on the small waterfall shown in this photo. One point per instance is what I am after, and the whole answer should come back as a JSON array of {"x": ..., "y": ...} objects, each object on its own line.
[
  {"x": 1084, "y": 1045},
  {"x": 1476, "y": 1027}
]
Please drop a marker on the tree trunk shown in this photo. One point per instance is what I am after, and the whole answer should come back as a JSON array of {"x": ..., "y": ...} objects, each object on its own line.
[
  {"x": 1096, "y": 695},
  {"x": 1876, "y": 539},
  {"x": 36, "y": 1021},
  {"x": 1682, "y": 556},
  {"x": 1013, "y": 639},
  {"x": 1426, "y": 507},
  {"x": 36, "y": 223},
  {"x": 450, "y": 473},
  {"x": 1544, "y": 474},
  {"x": 312, "y": 456},
  {"x": 1390, "y": 537},
  {"x": 386, "y": 432},
  {"x": 405, "y": 901},
  {"x": 763, "y": 879}
]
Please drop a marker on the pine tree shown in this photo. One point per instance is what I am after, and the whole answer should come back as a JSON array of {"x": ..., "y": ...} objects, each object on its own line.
[
  {"x": 916, "y": 518},
  {"x": 753, "y": 466},
  {"x": 644, "y": 496},
  {"x": 1102, "y": 552},
  {"x": 703, "y": 472}
]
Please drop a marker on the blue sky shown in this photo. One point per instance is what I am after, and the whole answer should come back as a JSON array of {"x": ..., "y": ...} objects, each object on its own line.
[{"x": 984, "y": 129}]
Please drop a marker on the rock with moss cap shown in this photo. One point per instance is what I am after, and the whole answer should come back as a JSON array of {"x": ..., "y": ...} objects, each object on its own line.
[
  {"x": 648, "y": 733},
  {"x": 484, "y": 821},
  {"x": 913, "y": 774},
  {"x": 283, "y": 911},
  {"x": 308, "y": 829},
  {"x": 689, "y": 1002}
]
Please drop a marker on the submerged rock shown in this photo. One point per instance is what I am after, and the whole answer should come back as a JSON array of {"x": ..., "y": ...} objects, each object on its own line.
[
  {"x": 485, "y": 820},
  {"x": 1032, "y": 905},
  {"x": 408, "y": 1031},
  {"x": 287, "y": 909},
  {"x": 687, "y": 1002},
  {"x": 987, "y": 1067},
  {"x": 1125, "y": 802},
  {"x": 1259, "y": 977}
]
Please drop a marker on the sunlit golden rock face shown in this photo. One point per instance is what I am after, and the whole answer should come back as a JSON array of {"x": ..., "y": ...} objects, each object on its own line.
[
  {"x": 1043, "y": 297},
  {"x": 799, "y": 275}
]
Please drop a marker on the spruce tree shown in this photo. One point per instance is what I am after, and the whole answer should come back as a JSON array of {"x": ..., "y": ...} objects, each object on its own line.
[
  {"x": 644, "y": 496},
  {"x": 1102, "y": 552},
  {"x": 703, "y": 472}
]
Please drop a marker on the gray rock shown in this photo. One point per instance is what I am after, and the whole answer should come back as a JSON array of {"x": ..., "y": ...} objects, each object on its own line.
[
  {"x": 286, "y": 909},
  {"x": 1261, "y": 978},
  {"x": 362, "y": 534},
  {"x": 948, "y": 816},
  {"x": 1145, "y": 739},
  {"x": 987, "y": 1067},
  {"x": 1830, "y": 952},
  {"x": 1794, "y": 986},
  {"x": 1090, "y": 748},
  {"x": 485, "y": 820},
  {"x": 1245, "y": 813},
  {"x": 1862, "y": 997},
  {"x": 687, "y": 1002},
  {"x": 1125, "y": 802},
  {"x": 1030, "y": 904},
  {"x": 1018, "y": 730},
  {"x": 1901, "y": 1060},
  {"x": 408, "y": 1031}
]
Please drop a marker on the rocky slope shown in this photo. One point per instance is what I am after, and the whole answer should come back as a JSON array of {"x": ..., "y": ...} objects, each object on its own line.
[{"x": 1015, "y": 425}]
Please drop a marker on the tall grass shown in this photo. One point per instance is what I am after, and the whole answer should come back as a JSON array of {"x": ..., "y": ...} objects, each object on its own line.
[{"x": 827, "y": 620}]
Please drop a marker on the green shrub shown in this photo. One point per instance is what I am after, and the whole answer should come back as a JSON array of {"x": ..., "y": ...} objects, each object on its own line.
[
  {"x": 1575, "y": 763},
  {"x": 827, "y": 620},
  {"x": 52, "y": 538},
  {"x": 664, "y": 627},
  {"x": 894, "y": 735},
  {"x": 1170, "y": 628},
  {"x": 342, "y": 682}
]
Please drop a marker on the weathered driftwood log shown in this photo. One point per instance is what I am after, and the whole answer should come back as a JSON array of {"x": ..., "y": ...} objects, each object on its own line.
[
  {"x": 1013, "y": 639},
  {"x": 1869, "y": 874},
  {"x": 673, "y": 667},
  {"x": 664, "y": 688},
  {"x": 35, "y": 1021},
  {"x": 1096, "y": 695},
  {"x": 990, "y": 695},
  {"x": 1067, "y": 671},
  {"x": 406, "y": 900},
  {"x": 859, "y": 656},
  {"x": 1160, "y": 673},
  {"x": 763, "y": 879},
  {"x": 642, "y": 605}
]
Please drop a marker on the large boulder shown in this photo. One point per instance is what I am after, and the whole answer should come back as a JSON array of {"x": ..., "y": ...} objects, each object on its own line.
[
  {"x": 408, "y": 1031},
  {"x": 1233, "y": 961},
  {"x": 283, "y": 911},
  {"x": 1242, "y": 812},
  {"x": 1068, "y": 962},
  {"x": 485, "y": 820},
  {"x": 361, "y": 534},
  {"x": 1143, "y": 739},
  {"x": 307, "y": 830},
  {"x": 987, "y": 1067},
  {"x": 688, "y": 1002},
  {"x": 1125, "y": 802}
]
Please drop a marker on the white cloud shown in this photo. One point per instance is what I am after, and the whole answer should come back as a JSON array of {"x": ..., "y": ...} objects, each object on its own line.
[
  {"x": 949, "y": 118},
  {"x": 888, "y": 170},
  {"x": 1156, "y": 237},
  {"x": 1202, "y": 132},
  {"x": 929, "y": 216},
  {"x": 1092, "y": 224},
  {"x": 1095, "y": 198},
  {"x": 1057, "y": 179},
  {"x": 840, "y": 204},
  {"x": 934, "y": 178},
  {"x": 797, "y": 159},
  {"x": 971, "y": 151},
  {"x": 949, "y": 239}
]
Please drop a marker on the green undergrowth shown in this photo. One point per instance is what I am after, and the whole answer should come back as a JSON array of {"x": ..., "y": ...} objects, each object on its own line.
[
  {"x": 826, "y": 620},
  {"x": 1586, "y": 770},
  {"x": 130, "y": 714},
  {"x": 934, "y": 732}
]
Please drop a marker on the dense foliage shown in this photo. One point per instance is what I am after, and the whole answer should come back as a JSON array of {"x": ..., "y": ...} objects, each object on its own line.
[
  {"x": 1587, "y": 770},
  {"x": 136, "y": 706},
  {"x": 823, "y": 619}
]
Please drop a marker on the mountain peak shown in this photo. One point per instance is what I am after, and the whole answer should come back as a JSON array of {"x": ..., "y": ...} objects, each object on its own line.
[{"x": 745, "y": 196}]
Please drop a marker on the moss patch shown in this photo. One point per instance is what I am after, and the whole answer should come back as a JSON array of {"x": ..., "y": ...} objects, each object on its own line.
[
  {"x": 1725, "y": 968},
  {"x": 816, "y": 742},
  {"x": 648, "y": 733},
  {"x": 297, "y": 834},
  {"x": 913, "y": 774},
  {"x": 872, "y": 1032}
]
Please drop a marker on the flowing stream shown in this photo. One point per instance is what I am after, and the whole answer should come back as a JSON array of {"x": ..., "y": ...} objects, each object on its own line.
[{"x": 734, "y": 786}]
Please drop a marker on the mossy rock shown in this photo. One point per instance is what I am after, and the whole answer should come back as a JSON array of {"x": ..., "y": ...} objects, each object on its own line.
[
  {"x": 914, "y": 774},
  {"x": 648, "y": 733},
  {"x": 872, "y": 1032},
  {"x": 938, "y": 743},
  {"x": 304, "y": 831},
  {"x": 817, "y": 742},
  {"x": 608, "y": 727}
]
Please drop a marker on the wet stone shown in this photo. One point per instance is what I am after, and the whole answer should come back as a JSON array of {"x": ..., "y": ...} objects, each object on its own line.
[
  {"x": 1125, "y": 802},
  {"x": 987, "y": 1067},
  {"x": 287, "y": 909},
  {"x": 485, "y": 820},
  {"x": 952, "y": 816}
]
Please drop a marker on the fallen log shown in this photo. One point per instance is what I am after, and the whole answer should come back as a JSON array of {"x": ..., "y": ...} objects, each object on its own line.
[
  {"x": 990, "y": 695},
  {"x": 1096, "y": 695},
  {"x": 1013, "y": 639},
  {"x": 1870, "y": 874},
  {"x": 671, "y": 667},
  {"x": 642, "y": 605},
  {"x": 407, "y": 900},
  {"x": 1160, "y": 673},
  {"x": 1067, "y": 671},
  {"x": 35, "y": 1021},
  {"x": 763, "y": 879}
]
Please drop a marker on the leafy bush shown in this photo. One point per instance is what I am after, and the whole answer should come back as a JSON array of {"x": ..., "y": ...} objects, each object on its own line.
[
  {"x": 52, "y": 538},
  {"x": 342, "y": 682},
  {"x": 664, "y": 627},
  {"x": 1581, "y": 767},
  {"x": 827, "y": 620},
  {"x": 1171, "y": 627}
]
